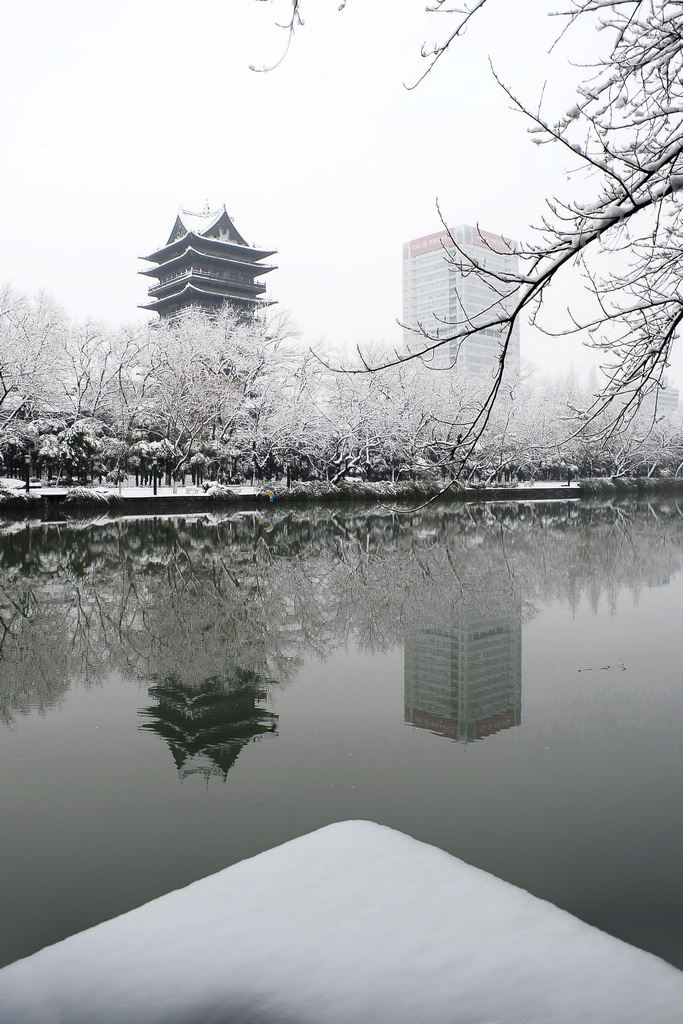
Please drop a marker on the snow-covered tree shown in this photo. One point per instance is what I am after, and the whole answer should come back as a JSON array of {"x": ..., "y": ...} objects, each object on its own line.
[
  {"x": 620, "y": 226},
  {"x": 211, "y": 382},
  {"x": 97, "y": 363},
  {"x": 32, "y": 333}
]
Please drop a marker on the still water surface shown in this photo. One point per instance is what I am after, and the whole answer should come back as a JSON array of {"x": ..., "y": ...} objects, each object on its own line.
[{"x": 504, "y": 682}]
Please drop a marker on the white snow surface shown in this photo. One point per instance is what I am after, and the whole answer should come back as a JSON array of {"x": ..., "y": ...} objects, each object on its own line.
[{"x": 351, "y": 924}]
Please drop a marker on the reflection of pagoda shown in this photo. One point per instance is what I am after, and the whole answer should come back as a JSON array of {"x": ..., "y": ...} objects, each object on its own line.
[
  {"x": 204, "y": 265},
  {"x": 207, "y": 726},
  {"x": 466, "y": 683}
]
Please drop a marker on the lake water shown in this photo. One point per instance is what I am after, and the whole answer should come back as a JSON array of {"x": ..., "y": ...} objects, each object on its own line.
[{"x": 504, "y": 682}]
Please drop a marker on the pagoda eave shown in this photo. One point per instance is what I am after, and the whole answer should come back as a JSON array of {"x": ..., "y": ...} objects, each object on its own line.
[
  {"x": 185, "y": 295},
  {"x": 221, "y": 289},
  {"x": 208, "y": 246},
  {"x": 251, "y": 268}
]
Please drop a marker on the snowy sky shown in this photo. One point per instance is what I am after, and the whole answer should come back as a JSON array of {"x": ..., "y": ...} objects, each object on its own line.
[{"x": 115, "y": 115}]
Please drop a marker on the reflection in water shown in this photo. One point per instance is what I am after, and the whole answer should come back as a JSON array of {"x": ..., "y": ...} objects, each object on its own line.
[
  {"x": 466, "y": 683},
  {"x": 206, "y": 726},
  {"x": 186, "y": 600}
]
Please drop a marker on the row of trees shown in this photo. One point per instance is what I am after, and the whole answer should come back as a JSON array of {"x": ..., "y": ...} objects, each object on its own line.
[{"x": 234, "y": 399}]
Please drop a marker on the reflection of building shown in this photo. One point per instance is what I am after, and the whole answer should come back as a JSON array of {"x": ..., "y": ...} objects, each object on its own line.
[
  {"x": 465, "y": 683},
  {"x": 204, "y": 265},
  {"x": 207, "y": 726},
  {"x": 437, "y": 293}
]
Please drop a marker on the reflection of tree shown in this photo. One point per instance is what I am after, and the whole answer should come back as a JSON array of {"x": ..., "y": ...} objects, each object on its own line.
[
  {"x": 207, "y": 597},
  {"x": 206, "y": 726}
]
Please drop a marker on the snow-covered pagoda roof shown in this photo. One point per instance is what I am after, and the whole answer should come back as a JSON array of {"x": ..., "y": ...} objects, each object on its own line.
[
  {"x": 218, "y": 222},
  {"x": 213, "y": 231}
]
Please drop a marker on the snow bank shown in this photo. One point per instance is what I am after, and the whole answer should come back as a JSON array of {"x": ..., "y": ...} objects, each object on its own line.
[{"x": 354, "y": 923}]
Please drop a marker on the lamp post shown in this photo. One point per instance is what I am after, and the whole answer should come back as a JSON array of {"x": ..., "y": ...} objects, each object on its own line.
[
  {"x": 27, "y": 464},
  {"x": 154, "y": 474}
]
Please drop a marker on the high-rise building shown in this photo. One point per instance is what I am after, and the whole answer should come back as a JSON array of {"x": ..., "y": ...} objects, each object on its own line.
[
  {"x": 439, "y": 292},
  {"x": 667, "y": 399},
  {"x": 662, "y": 402},
  {"x": 204, "y": 265}
]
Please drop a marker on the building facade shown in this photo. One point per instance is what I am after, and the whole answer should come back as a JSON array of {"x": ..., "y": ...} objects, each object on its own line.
[
  {"x": 205, "y": 264},
  {"x": 668, "y": 399},
  {"x": 438, "y": 294}
]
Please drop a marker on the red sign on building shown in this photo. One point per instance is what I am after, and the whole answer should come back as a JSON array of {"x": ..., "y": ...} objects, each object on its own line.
[
  {"x": 435, "y": 723},
  {"x": 430, "y": 242},
  {"x": 442, "y": 239},
  {"x": 495, "y": 242},
  {"x": 487, "y": 726},
  {"x": 449, "y": 727}
]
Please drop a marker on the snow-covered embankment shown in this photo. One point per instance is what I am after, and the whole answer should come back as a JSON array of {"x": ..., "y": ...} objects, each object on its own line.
[{"x": 353, "y": 923}]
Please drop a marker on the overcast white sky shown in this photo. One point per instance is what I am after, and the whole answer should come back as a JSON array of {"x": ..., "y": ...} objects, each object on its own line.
[{"x": 115, "y": 115}]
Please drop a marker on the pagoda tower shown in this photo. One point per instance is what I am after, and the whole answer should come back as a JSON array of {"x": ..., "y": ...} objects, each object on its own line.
[{"x": 204, "y": 265}]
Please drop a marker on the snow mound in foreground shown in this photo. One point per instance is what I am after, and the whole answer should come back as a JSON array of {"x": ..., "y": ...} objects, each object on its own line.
[{"x": 354, "y": 923}]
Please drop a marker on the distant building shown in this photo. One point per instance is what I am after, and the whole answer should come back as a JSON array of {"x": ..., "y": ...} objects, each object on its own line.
[
  {"x": 437, "y": 293},
  {"x": 662, "y": 402},
  {"x": 204, "y": 265},
  {"x": 667, "y": 400}
]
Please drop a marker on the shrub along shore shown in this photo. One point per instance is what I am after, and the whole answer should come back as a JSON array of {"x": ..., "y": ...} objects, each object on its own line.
[{"x": 410, "y": 493}]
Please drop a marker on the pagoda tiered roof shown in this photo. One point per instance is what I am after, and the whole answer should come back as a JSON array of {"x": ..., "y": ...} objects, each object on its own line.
[
  {"x": 205, "y": 245},
  {"x": 191, "y": 250},
  {"x": 193, "y": 295}
]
